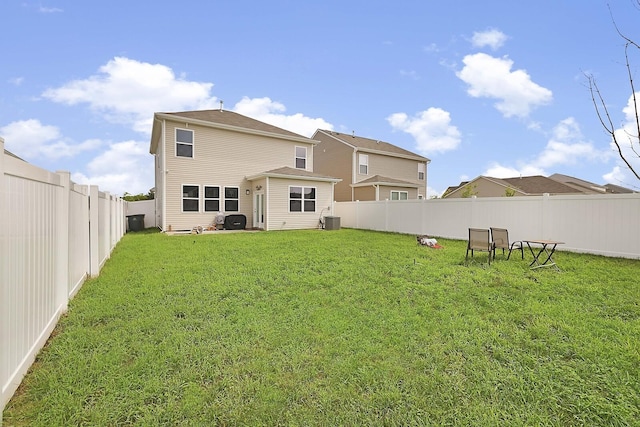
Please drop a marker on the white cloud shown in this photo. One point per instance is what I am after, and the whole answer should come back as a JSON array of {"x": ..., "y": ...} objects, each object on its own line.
[
  {"x": 16, "y": 81},
  {"x": 43, "y": 9},
  {"x": 616, "y": 176},
  {"x": 430, "y": 48},
  {"x": 431, "y": 129},
  {"x": 497, "y": 170},
  {"x": 492, "y": 38},
  {"x": 30, "y": 139},
  {"x": 413, "y": 75},
  {"x": 629, "y": 141},
  {"x": 490, "y": 77},
  {"x": 566, "y": 146},
  {"x": 128, "y": 92},
  {"x": 124, "y": 167},
  {"x": 272, "y": 112}
]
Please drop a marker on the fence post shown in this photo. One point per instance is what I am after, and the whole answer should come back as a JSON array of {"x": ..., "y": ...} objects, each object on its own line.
[
  {"x": 108, "y": 229},
  {"x": 62, "y": 244},
  {"x": 4, "y": 287},
  {"x": 546, "y": 216},
  {"x": 472, "y": 211},
  {"x": 386, "y": 215},
  {"x": 94, "y": 231}
]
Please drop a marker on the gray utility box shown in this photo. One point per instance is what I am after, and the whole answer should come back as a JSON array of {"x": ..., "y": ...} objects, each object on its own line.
[{"x": 332, "y": 223}]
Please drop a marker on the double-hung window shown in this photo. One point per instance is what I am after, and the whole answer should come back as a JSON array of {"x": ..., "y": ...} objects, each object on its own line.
[
  {"x": 190, "y": 198},
  {"x": 231, "y": 199},
  {"x": 302, "y": 199},
  {"x": 184, "y": 143},
  {"x": 211, "y": 198},
  {"x": 421, "y": 171},
  {"x": 363, "y": 164},
  {"x": 399, "y": 195},
  {"x": 301, "y": 157}
]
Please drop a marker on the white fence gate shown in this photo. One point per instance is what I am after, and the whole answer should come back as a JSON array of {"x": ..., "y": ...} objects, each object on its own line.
[
  {"x": 598, "y": 224},
  {"x": 53, "y": 235}
]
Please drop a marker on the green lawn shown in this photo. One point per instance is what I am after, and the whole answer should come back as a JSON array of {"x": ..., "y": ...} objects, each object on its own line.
[{"x": 338, "y": 328}]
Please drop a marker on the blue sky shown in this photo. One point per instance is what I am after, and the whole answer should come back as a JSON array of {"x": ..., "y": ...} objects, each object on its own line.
[{"x": 493, "y": 88}]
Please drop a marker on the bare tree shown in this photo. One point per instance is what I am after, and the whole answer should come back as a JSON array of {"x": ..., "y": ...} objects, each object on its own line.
[{"x": 632, "y": 137}]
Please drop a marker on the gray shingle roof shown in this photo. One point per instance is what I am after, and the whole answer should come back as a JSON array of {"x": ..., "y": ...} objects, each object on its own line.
[
  {"x": 371, "y": 144},
  {"x": 230, "y": 118},
  {"x": 294, "y": 173},
  {"x": 386, "y": 180},
  {"x": 538, "y": 184}
]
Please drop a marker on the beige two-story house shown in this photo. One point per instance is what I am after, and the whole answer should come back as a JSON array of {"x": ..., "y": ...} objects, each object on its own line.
[
  {"x": 215, "y": 162},
  {"x": 370, "y": 169}
]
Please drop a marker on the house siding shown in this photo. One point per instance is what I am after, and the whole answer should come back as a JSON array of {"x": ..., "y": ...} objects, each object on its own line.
[
  {"x": 159, "y": 185},
  {"x": 333, "y": 158},
  {"x": 279, "y": 217},
  {"x": 393, "y": 167},
  {"x": 364, "y": 193},
  {"x": 385, "y": 192},
  {"x": 223, "y": 158}
]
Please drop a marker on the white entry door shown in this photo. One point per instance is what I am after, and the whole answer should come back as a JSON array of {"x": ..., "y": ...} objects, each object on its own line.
[{"x": 258, "y": 210}]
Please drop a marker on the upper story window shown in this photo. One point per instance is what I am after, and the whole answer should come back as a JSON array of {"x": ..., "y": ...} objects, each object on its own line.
[
  {"x": 363, "y": 164},
  {"x": 301, "y": 157},
  {"x": 302, "y": 199},
  {"x": 399, "y": 195},
  {"x": 231, "y": 199},
  {"x": 184, "y": 143},
  {"x": 190, "y": 198},
  {"x": 421, "y": 171},
  {"x": 211, "y": 198}
]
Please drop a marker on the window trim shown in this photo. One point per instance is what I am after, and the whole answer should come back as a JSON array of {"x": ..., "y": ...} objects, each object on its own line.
[
  {"x": 364, "y": 163},
  {"x": 183, "y": 198},
  {"x": 193, "y": 135},
  {"x": 296, "y": 157},
  {"x": 237, "y": 199},
  {"x": 400, "y": 192},
  {"x": 302, "y": 198},
  {"x": 205, "y": 198}
]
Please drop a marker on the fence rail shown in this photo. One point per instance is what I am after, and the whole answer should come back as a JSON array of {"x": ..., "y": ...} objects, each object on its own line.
[
  {"x": 598, "y": 224},
  {"x": 53, "y": 235}
]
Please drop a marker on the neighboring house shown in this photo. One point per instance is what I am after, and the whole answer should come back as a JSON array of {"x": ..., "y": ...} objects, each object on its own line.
[
  {"x": 616, "y": 189},
  {"x": 369, "y": 169},
  {"x": 484, "y": 186},
  {"x": 590, "y": 187},
  {"x": 213, "y": 161}
]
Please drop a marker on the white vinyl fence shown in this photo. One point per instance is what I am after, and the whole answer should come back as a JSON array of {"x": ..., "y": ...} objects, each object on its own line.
[
  {"x": 53, "y": 235},
  {"x": 598, "y": 224}
]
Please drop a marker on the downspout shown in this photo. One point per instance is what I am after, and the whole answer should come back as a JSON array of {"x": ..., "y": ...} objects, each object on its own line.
[
  {"x": 377, "y": 187},
  {"x": 164, "y": 177},
  {"x": 333, "y": 198},
  {"x": 266, "y": 203},
  {"x": 426, "y": 181},
  {"x": 354, "y": 165}
]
